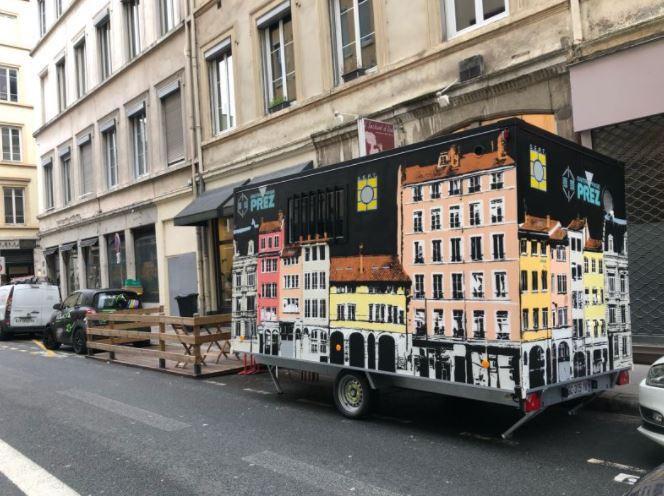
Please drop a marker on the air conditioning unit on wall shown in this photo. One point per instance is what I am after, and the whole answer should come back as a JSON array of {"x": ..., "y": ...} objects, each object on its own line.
[{"x": 471, "y": 68}]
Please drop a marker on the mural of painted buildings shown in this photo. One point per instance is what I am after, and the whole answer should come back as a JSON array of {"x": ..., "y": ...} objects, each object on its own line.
[{"x": 453, "y": 265}]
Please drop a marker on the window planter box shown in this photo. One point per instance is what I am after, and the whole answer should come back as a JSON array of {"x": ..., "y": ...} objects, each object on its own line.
[
  {"x": 349, "y": 76},
  {"x": 278, "y": 106}
]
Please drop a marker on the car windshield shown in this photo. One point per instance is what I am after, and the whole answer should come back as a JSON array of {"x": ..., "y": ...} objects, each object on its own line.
[{"x": 116, "y": 301}]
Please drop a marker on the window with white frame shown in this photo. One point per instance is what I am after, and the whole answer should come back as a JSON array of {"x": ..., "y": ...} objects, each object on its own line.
[
  {"x": 355, "y": 37},
  {"x": 419, "y": 286},
  {"x": 137, "y": 124},
  {"x": 502, "y": 324},
  {"x": 166, "y": 15},
  {"x": 80, "y": 67},
  {"x": 435, "y": 190},
  {"x": 133, "y": 36},
  {"x": 417, "y": 193},
  {"x": 496, "y": 210},
  {"x": 474, "y": 184},
  {"x": 11, "y": 143},
  {"x": 455, "y": 250},
  {"x": 438, "y": 322},
  {"x": 41, "y": 14},
  {"x": 500, "y": 284},
  {"x": 417, "y": 221},
  {"x": 418, "y": 252},
  {"x": 498, "y": 245},
  {"x": 476, "y": 248},
  {"x": 8, "y": 84},
  {"x": 222, "y": 88},
  {"x": 457, "y": 286},
  {"x": 103, "y": 27},
  {"x": 109, "y": 140},
  {"x": 455, "y": 216},
  {"x": 455, "y": 187},
  {"x": 478, "y": 324},
  {"x": 458, "y": 323},
  {"x": 477, "y": 284},
  {"x": 61, "y": 80},
  {"x": 475, "y": 214},
  {"x": 437, "y": 280},
  {"x": 467, "y": 14},
  {"x": 435, "y": 219},
  {"x": 278, "y": 60},
  {"x": 496, "y": 180},
  {"x": 58, "y": 8},
  {"x": 436, "y": 250},
  {"x": 14, "y": 205}
]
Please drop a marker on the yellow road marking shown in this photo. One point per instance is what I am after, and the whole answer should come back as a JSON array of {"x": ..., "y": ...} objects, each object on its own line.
[{"x": 41, "y": 345}]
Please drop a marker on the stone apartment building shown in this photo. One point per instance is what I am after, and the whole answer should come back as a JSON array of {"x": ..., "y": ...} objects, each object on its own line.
[
  {"x": 115, "y": 160},
  {"x": 18, "y": 154},
  {"x": 279, "y": 85}
]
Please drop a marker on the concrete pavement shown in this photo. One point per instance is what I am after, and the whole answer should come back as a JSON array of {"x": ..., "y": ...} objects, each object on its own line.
[{"x": 108, "y": 429}]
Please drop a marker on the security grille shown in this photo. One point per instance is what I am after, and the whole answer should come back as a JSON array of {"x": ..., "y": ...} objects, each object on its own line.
[{"x": 640, "y": 145}]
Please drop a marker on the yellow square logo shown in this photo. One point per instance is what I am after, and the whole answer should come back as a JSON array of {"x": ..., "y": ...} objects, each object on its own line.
[
  {"x": 537, "y": 168},
  {"x": 367, "y": 193}
]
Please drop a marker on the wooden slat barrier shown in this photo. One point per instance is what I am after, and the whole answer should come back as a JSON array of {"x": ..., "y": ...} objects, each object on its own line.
[{"x": 112, "y": 332}]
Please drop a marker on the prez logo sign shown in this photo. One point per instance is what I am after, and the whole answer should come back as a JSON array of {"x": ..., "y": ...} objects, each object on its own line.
[
  {"x": 262, "y": 200},
  {"x": 581, "y": 187}
]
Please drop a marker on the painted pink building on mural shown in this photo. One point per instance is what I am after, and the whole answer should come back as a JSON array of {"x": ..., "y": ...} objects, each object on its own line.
[
  {"x": 270, "y": 243},
  {"x": 292, "y": 279},
  {"x": 459, "y": 246}
]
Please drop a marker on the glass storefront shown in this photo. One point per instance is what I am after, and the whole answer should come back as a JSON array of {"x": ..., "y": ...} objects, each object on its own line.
[
  {"x": 145, "y": 251},
  {"x": 92, "y": 269},
  {"x": 225, "y": 263},
  {"x": 117, "y": 272},
  {"x": 71, "y": 265}
]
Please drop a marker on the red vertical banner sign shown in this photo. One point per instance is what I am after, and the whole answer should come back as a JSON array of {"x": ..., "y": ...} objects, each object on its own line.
[{"x": 374, "y": 136}]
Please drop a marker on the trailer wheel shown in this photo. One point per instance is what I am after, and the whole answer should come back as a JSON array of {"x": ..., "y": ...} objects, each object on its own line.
[{"x": 352, "y": 395}]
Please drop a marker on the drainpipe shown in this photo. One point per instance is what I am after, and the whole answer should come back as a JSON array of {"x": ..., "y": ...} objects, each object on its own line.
[
  {"x": 577, "y": 26},
  {"x": 197, "y": 161}
]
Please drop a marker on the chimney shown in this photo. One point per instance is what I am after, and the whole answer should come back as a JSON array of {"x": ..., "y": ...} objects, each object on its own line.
[
  {"x": 361, "y": 259},
  {"x": 501, "y": 145}
]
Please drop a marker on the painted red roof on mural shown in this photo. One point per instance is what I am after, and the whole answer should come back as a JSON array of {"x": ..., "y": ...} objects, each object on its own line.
[
  {"x": 367, "y": 268},
  {"x": 270, "y": 226},
  {"x": 543, "y": 225},
  {"x": 290, "y": 251},
  {"x": 457, "y": 166},
  {"x": 593, "y": 244},
  {"x": 577, "y": 224}
]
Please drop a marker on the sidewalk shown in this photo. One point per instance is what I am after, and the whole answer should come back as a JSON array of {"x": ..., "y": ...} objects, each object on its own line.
[{"x": 623, "y": 399}]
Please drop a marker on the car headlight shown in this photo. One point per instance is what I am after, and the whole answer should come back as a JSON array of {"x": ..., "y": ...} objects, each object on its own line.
[{"x": 656, "y": 376}]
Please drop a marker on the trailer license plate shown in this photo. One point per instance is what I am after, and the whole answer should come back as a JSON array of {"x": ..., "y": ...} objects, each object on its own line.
[{"x": 578, "y": 388}]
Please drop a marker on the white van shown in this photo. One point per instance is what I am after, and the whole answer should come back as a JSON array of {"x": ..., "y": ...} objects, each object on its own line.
[{"x": 26, "y": 308}]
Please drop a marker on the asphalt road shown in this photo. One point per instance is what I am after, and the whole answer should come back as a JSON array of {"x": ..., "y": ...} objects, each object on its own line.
[{"x": 88, "y": 427}]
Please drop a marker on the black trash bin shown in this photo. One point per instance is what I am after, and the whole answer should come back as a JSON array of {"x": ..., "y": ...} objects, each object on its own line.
[{"x": 187, "y": 304}]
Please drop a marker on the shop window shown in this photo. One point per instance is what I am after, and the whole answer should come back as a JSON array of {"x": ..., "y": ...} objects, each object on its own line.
[
  {"x": 225, "y": 264},
  {"x": 92, "y": 272},
  {"x": 71, "y": 267},
  {"x": 145, "y": 252},
  {"x": 116, "y": 260}
]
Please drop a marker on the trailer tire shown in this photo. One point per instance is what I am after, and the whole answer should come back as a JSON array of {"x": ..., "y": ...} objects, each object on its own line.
[{"x": 353, "y": 396}]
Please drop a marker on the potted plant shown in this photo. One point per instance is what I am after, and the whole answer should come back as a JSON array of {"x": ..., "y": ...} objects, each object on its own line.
[{"x": 278, "y": 103}]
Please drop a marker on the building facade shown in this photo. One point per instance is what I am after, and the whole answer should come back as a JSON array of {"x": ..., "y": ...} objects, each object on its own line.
[
  {"x": 18, "y": 159},
  {"x": 115, "y": 160}
]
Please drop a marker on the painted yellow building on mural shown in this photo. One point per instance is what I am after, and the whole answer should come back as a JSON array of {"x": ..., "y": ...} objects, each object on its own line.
[
  {"x": 594, "y": 310},
  {"x": 368, "y": 293},
  {"x": 535, "y": 271}
]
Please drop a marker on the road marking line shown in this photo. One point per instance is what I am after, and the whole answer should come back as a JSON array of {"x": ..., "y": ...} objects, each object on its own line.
[
  {"x": 49, "y": 353},
  {"x": 29, "y": 477},
  {"x": 313, "y": 402},
  {"x": 258, "y": 391},
  {"x": 326, "y": 480},
  {"x": 628, "y": 479},
  {"x": 131, "y": 412},
  {"x": 597, "y": 461},
  {"x": 214, "y": 382}
]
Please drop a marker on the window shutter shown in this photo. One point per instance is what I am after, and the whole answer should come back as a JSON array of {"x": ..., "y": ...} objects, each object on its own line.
[
  {"x": 172, "y": 109},
  {"x": 86, "y": 167}
]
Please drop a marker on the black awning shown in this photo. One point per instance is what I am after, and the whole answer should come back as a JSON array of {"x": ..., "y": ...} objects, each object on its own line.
[
  {"x": 50, "y": 251},
  {"x": 219, "y": 202},
  {"x": 208, "y": 206},
  {"x": 67, "y": 246},
  {"x": 89, "y": 242}
]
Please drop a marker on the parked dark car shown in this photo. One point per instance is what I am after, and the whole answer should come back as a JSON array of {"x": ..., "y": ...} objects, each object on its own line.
[{"x": 67, "y": 324}]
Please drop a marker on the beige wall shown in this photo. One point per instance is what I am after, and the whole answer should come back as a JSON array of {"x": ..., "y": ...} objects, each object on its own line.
[{"x": 14, "y": 53}]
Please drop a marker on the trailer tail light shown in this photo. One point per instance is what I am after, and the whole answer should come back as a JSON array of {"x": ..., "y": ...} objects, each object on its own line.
[
  {"x": 533, "y": 402},
  {"x": 623, "y": 378}
]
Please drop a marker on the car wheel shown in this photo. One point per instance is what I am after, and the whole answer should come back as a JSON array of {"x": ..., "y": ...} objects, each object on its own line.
[
  {"x": 352, "y": 395},
  {"x": 50, "y": 343},
  {"x": 78, "y": 341}
]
